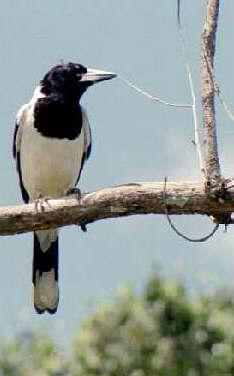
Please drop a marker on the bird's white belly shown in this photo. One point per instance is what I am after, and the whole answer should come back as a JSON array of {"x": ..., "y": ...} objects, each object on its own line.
[{"x": 49, "y": 166}]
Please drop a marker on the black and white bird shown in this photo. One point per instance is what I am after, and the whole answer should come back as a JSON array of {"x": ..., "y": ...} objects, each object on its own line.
[{"x": 52, "y": 140}]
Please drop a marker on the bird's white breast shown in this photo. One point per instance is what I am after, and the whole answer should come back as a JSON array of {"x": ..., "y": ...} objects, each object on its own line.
[{"x": 49, "y": 166}]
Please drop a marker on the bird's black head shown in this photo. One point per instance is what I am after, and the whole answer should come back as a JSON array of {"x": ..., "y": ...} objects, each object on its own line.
[{"x": 71, "y": 79}]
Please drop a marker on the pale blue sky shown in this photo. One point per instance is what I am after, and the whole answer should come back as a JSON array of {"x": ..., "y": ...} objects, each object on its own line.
[{"x": 134, "y": 140}]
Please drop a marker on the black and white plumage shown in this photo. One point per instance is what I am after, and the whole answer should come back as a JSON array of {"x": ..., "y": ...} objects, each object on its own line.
[{"x": 52, "y": 140}]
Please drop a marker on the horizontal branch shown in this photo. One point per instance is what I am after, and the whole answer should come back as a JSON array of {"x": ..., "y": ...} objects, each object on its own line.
[{"x": 124, "y": 200}]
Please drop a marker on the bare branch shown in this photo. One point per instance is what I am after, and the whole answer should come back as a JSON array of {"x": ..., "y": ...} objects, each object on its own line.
[
  {"x": 191, "y": 85},
  {"x": 213, "y": 173},
  {"x": 222, "y": 101},
  {"x": 219, "y": 93},
  {"x": 129, "y": 199},
  {"x": 155, "y": 99}
]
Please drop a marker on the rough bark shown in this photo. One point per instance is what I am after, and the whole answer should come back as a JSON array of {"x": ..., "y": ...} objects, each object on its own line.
[
  {"x": 208, "y": 38},
  {"x": 130, "y": 199}
]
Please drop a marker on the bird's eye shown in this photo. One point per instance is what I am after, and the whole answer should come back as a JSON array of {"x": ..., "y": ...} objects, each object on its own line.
[{"x": 79, "y": 75}]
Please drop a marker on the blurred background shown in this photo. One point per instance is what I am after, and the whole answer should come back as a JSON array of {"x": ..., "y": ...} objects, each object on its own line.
[{"x": 134, "y": 139}]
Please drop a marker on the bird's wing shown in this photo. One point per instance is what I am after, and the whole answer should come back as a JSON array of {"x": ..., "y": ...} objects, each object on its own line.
[
  {"x": 87, "y": 141},
  {"x": 87, "y": 135},
  {"x": 20, "y": 119}
]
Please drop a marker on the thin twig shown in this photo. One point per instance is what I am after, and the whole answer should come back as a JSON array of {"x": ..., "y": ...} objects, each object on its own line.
[
  {"x": 222, "y": 101},
  {"x": 218, "y": 92},
  {"x": 191, "y": 85},
  {"x": 155, "y": 99},
  {"x": 199, "y": 240},
  {"x": 217, "y": 89}
]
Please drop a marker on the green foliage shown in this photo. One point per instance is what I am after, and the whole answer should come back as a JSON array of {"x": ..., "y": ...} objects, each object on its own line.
[
  {"x": 161, "y": 333},
  {"x": 32, "y": 353}
]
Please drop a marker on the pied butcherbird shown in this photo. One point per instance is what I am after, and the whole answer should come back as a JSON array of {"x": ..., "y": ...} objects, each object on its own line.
[{"x": 52, "y": 141}]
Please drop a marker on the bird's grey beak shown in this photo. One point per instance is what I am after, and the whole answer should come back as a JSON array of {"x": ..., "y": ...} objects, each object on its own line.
[{"x": 94, "y": 75}]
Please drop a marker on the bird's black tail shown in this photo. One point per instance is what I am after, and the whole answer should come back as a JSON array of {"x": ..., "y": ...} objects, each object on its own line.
[{"x": 45, "y": 271}]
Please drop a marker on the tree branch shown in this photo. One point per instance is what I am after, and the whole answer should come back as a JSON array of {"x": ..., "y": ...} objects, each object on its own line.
[
  {"x": 124, "y": 200},
  {"x": 153, "y": 97},
  {"x": 213, "y": 173}
]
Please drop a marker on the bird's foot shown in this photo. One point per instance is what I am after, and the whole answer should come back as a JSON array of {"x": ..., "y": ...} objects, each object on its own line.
[
  {"x": 83, "y": 228},
  {"x": 40, "y": 203},
  {"x": 78, "y": 194}
]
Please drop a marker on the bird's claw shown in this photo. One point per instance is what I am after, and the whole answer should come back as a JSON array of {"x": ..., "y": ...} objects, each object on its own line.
[
  {"x": 40, "y": 203},
  {"x": 83, "y": 228},
  {"x": 78, "y": 194}
]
